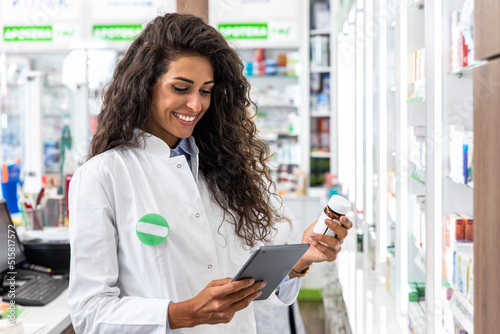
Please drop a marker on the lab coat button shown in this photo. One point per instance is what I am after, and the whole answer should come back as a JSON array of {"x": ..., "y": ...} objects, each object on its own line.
[
  {"x": 179, "y": 165},
  {"x": 209, "y": 266},
  {"x": 197, "y": 215}
]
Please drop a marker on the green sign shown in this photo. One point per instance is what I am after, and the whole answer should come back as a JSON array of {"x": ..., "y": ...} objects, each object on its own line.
[
  {"x": 244, "y": 30},
  {"x": 122, "y": 32},
  {"x": 27, "y": 34}
]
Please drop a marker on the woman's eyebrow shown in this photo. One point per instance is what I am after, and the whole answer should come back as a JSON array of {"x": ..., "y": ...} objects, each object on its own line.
[{"x": 191, "y": 81}]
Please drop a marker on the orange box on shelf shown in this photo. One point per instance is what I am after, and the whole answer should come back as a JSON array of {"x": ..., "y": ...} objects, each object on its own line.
[
  {"x": 455, "y": 228},
  {"x": 469, "y": 227}
]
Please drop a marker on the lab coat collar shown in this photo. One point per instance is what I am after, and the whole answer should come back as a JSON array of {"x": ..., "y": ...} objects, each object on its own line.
[{"x": 155, "y": 145}]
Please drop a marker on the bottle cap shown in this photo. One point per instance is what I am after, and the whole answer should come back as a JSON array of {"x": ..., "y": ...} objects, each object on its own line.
[{"x": 339, "y": 204}]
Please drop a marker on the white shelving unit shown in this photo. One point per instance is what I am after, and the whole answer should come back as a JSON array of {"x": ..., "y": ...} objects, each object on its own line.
[
  {"x": 321, "y": 92},
  {"x": 281, "y": 99},
  {"x": 399, "y": 132}
]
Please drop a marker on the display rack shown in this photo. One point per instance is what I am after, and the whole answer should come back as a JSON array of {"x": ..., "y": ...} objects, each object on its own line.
[
  {"x": 405, "y": 101},
  {"x": 275, "y": 88},
  {"x": 321, "y": 93}
]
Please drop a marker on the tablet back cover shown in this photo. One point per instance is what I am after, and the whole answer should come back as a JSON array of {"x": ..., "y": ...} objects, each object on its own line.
[{"x": 271, "y": 264}]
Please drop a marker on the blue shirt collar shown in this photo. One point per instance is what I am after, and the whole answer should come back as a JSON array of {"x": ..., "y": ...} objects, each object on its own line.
[{"x": 185, "y": 146}]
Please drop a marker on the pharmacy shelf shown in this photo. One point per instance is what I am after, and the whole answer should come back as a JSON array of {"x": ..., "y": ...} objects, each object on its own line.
[
  {"x": 322, "y": 92},
  {"x": 459, "y": 72},
  {"x": 382, "y": 126},
  {"x": 315, "y": 32},
  {"x": 316, "y": 154}
]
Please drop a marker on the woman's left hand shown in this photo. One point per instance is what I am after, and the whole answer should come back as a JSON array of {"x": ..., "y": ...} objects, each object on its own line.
[{"x": 323, "y": 247}]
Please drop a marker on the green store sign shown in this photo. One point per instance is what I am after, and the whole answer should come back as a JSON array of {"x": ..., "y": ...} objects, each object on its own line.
[
  {"x": 122, "y": 32},
  {"x": 244, "y": 30},
  {"x": 28, "y": 34}
]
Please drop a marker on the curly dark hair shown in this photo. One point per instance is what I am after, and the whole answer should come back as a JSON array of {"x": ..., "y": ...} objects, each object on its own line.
[{"x": 232, "y": 157}]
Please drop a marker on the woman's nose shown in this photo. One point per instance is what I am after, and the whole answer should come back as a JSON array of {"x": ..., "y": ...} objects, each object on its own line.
[{"x": 194, "y": 102}]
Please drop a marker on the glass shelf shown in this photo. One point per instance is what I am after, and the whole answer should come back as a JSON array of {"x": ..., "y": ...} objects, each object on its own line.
[
  {"x": 460, "y": 71},
  {"x": 318, "y": 154},
  {"x": 462, "y": 310},
  {"x": 276, "y": 106},
  {"x": 315, "y": 32},
  {"x": 324, "y": 69},
  {"x": 418, "y": 4},
  {"x": 459, "y": 183},
  {"x": 320, "y": 113},
  {"x": 273, "y": 76}
]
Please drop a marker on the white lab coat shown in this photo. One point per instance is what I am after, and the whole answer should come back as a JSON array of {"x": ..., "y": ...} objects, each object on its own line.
[{"x": 119, "y": 284}]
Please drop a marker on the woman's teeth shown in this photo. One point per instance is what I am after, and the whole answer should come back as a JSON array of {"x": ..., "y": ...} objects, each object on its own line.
[{"x": 184, "y": 118}]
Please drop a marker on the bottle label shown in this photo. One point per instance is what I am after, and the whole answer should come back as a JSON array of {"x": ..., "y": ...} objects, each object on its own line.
[{"x": 320, "y": 226}]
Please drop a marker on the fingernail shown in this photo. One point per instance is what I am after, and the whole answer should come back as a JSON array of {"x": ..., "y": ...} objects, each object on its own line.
[
  {"x": 251, "y": 281},
  {"x": 259, "y": 293},
  {"x": 263, "y": 284}
]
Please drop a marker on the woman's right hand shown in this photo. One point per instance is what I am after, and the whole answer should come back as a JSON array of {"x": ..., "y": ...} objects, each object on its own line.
[{"x": 216, "y": 303}]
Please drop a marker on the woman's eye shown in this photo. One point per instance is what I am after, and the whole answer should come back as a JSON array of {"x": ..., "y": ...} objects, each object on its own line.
[
  {"x": 178, "y": 89},
  {"x": 205, "y": 91}
]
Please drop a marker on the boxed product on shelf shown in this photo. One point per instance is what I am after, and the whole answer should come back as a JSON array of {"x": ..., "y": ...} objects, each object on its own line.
[
  {"x": 293, "y": 64},
  {"x": 470, "y": 285},
  {"x": 455, "y": 228},
  {"x": 421, "y": 291},
  {"x": 462, "y": 31},
  {"x": 416, "y": 318},
  {"x": 320, "y": 51},
  {"x": 320, "y": 15},
  {"x": 448, "y": 264},
  {"x": 468, "y": 158},
  {"x": 320, "y": 134},
  {"x": 463, "y": 257},
  {"x": 418, "y": 223},
  {"x": 417, "y": 145},
  {"x": 469, "y": 227},
  {"x": 418, "y": 65},
  {"x": 456, "y": 133},
  {"x": 463, "y": 314},
  {"x": 468, "y": 27},
  {"x": 315, "y": 82},
  {"x": 457, "y": 41},
  {"x": 416, "y": 292},
  {"x": 412, "y": 292},
  {"x": 263, "y": 64}
]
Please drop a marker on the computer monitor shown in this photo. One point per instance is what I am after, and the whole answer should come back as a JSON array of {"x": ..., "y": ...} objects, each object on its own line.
[{"x": 11, "y": 249}]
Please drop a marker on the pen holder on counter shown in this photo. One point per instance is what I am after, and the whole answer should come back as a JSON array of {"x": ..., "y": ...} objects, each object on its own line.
[
  {"x": 35, "y": 218},
  {"x": 54, "y": 211}
]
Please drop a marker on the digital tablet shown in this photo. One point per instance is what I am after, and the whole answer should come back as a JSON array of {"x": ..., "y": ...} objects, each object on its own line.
[{"x": 271, "y": 264}]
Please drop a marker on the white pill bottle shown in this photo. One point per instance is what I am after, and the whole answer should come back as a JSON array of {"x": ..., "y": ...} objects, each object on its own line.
[{"x": 337, "y": 207}]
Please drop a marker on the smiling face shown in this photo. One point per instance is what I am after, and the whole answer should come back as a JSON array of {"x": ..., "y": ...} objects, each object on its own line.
[{"x": 180, "y": 98}]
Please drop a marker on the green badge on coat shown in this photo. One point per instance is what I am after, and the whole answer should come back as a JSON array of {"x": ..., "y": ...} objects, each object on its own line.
[{"x": 152, "y": 229}]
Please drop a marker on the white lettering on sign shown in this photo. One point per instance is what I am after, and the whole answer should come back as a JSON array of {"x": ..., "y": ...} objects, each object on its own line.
[
  {"x": 39, "y": 12},
  {"x": 27, "y": 34},
  {"x": 38, "y": 4}
]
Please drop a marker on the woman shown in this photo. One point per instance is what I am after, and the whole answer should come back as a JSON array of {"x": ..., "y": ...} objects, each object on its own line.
[{"x": 176, "y": 194}]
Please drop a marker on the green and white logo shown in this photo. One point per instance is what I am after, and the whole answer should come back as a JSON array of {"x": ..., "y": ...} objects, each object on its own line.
[
  {"x": 116, "y": 32},
  {"x": 244, "y": 30},
  {"x": 152, "y": 229},
  {"x": 27, "y": 34},
  {"x": 278, "y": 31}
]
